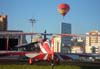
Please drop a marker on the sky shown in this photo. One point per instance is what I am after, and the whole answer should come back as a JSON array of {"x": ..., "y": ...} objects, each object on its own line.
[{"x": 84, "y": 15}]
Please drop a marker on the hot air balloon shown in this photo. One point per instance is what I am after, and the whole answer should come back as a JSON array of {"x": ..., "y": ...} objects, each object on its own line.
[{"x": 63, "y": 9}]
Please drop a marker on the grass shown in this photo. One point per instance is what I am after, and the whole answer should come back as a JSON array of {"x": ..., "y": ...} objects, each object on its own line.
[
  {"x": 36, "y": 67},
  {"x": 12, "y": 66}
]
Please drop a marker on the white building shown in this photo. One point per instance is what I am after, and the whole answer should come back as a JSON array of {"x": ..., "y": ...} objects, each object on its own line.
[
  {"x": 92, "y": 40},
  {"x": 78, "y": 45},
  {"x": 77, "y": 49},
  {"x": 57, "y": 44}
]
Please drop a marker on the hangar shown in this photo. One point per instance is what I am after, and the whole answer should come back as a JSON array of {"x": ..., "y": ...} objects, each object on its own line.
[{"x": 9, "y": 39}]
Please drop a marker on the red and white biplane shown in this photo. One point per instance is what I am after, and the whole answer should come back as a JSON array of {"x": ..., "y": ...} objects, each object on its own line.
[{"x": 43, "y": 51}]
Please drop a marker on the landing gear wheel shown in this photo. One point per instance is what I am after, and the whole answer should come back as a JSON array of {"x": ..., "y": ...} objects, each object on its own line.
[{"x": 30, "y": 61}]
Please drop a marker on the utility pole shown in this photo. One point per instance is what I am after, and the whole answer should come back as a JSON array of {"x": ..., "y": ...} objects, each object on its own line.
[{"x": 32, "y": 21}]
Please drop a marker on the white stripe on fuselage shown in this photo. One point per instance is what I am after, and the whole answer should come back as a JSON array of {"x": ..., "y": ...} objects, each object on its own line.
[
  {"x": 46, "y": 56},
  {"x": 42, "y": 49},
  {"x": 32, "y": 55},
  {"x": 47, "y": 42}
]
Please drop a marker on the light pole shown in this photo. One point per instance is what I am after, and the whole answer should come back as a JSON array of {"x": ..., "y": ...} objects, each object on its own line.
[{"x": 32, "y": 21}]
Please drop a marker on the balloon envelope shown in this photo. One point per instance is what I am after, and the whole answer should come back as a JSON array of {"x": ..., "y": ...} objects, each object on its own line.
[{"x": 63, "y": 9}]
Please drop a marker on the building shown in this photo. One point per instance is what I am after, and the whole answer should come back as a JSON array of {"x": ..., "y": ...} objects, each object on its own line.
[
  {"x": 62, "y": 43},
  {"x": 8, "y": 38},
  {"x": 57, "y": 44},
  {"x": 65, "y": 40},
  {"x": 77, "y": 49},
  {"x": 78, "y": 45},
  {"x": 66, "y": 29},
  {"x": 3, "y": 22},
  {"x": 93, "y": 42}
]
